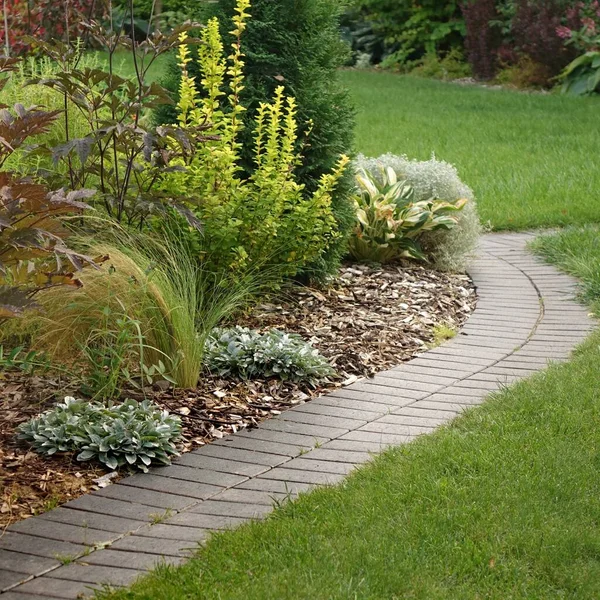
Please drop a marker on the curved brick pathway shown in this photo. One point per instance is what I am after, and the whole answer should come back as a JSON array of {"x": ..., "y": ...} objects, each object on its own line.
[{"x": 525, "y": 316}]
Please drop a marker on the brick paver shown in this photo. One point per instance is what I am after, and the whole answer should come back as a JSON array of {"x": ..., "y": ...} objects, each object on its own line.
[{"x": 525, "y": 318}]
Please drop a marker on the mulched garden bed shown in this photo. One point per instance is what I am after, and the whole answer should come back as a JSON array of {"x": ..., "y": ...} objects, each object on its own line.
[{"x": 372, "y": 318}]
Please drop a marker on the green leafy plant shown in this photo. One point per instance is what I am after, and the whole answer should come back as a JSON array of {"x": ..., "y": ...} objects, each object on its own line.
[
  {"x": 447, "y": 68},
  {"x": 410, "y": 30},
  {"x": 446, "y": 249},
  {"x": 525, "y": 74},
  {"x": 121, "y": 154},
  {"x": 133, "y": 434},
  {"x": 296, "y": 45},
  {"x": 33, "y": 253},
  {"x": 249, "y": 354},
  {"x": 582, "y": 76},
  {"x": 390, "y": 220},
  {"x": 116, "y": 353},
  {"x": 28, "y": 361},
  {"x": 268, "y": 218}
]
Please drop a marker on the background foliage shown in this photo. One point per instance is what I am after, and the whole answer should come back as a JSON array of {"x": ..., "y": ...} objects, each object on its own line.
[
  {"x": 410, "y": 29},
  {"x": 525, "y": 43}
]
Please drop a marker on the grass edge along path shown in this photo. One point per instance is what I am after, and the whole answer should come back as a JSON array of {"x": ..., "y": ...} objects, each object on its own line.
[
  {"x": 502, "y": 503},
  {"x": 575, "y": 250}
]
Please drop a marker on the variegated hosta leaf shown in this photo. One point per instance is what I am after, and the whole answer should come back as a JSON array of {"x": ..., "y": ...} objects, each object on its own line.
[
  {"x": 390, "y": 177},
  {"x": 361, "y": 215},
  {"x": 388, "y": 218}
]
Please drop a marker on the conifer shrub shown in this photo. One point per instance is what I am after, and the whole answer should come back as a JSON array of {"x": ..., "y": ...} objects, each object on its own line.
[{"x": 295, "y": 45}]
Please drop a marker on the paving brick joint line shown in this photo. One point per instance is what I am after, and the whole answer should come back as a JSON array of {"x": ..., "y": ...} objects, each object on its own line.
[{"x": 526, "y": 315}]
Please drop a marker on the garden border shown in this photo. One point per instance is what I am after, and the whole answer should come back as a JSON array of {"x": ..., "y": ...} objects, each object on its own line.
[{"x": 526, "y": 315}]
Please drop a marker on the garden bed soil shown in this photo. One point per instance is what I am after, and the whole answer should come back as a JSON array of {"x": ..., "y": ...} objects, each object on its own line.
[{"x": 370, "y": 319}]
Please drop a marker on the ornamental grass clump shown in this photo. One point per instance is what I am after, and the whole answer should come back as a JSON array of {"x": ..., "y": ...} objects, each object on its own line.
[
  {"x": 153, "y": 287},
  {"x": 390, "y": 220},
  {"x": 248, "y": 354},
  {"x": 133, "y": 434}
]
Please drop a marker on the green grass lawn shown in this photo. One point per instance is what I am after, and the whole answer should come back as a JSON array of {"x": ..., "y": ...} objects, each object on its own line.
[
  {"x": 530, "y": 158},
  {"x": 575, "y": 250},
  {"x": 123, "y": 62}
]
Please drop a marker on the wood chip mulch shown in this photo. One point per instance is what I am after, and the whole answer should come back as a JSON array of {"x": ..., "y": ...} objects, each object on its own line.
[
  {"x": 31, "y": 483},
  {"x": 370, "y": 319}
]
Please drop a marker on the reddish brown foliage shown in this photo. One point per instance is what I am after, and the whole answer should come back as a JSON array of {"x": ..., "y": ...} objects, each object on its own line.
[
  {"x": 482, "y": 39},
  {"x": 45, "y": 20}
]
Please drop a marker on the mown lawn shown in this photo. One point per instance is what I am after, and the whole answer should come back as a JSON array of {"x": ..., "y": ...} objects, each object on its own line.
[
  {"x": 575, "y": 250},
  {"x": 530, "y": 158},
  {"x": 124, "y": 66}
]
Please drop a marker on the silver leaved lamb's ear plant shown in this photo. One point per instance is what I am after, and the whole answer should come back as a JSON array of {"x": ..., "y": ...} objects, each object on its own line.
[
  {"x": 248, "y": 354},
  {"x": 132, "y": 434},
  {"x": 390, "y": 220}
]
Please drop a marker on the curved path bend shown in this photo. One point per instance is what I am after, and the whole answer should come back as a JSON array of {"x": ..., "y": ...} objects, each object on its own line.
[{"x": 526, "y": 316}]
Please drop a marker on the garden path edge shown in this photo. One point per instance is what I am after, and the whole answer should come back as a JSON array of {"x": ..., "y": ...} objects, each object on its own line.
[{"x": 526, "y": 316}]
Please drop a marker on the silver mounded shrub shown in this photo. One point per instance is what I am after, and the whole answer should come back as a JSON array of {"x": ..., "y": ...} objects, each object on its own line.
[
  {"x": 248, "y": 354},
  {"x": 133, "y": 433},
  {"x": 446, "y": 249}
]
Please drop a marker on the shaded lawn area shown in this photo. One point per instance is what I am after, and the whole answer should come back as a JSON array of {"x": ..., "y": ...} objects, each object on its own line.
[
  {"x": 503, "y": 503},
  {"x": 530, "y": 158},
  {"x": 124, "y": 65}
]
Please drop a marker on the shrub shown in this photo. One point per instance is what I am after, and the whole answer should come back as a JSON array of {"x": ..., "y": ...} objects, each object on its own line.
[
  {"x": 44, "y": 20},
  {"x": 121, "y": 155},
  {"x": 390, "y": 221},
  {"x": 447, "y": 250},
  {"x": 524, "y": 74},
  {"x": 249, "y": 354},
  {"x": 367, "y": 45},
  {"x": 582, "y": 76},
  {"x": 133, "y": 434},
  {"x": 447, "y": 68},
  {"x": 295, "y": 45},
  {"x": 33, "y": 253},
  {"x": 535, "y": 31},
  {"x": 483, "y": 38},
  {"x": 411, "y": 30},
  {"x": 268, "y": 218},
  {"x": 581, "y": 29}
]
